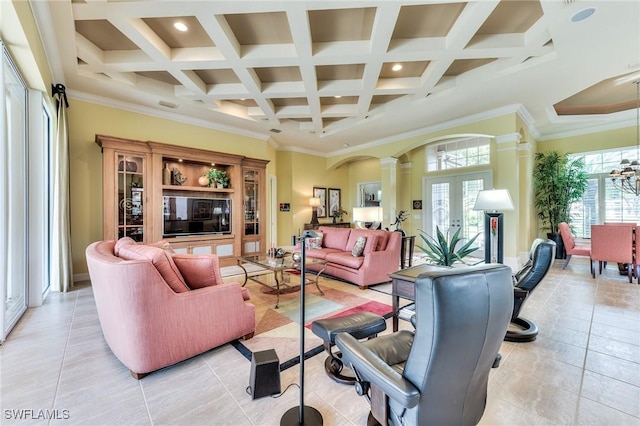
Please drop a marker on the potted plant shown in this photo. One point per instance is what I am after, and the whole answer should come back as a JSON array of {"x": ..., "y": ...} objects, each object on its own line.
[
  {"x": 442, "y": 249},
  {"x": 218, "y": 177},
  {"x": 558, "y": 182}
]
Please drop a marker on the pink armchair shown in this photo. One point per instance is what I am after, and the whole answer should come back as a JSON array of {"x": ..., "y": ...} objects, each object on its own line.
[
  {"x": 152, "y": 315},
  {"x": 570, "y": 246}
]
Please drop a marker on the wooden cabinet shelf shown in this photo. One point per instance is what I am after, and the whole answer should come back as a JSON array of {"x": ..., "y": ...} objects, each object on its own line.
[
  {"x": 198, "y": 188},
  {"x": 136, "y": 192}
]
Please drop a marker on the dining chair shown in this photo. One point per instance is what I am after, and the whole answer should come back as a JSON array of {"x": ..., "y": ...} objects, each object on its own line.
[
  {"x": 570, "y": 246},
  {"x": 612, "y": 243}
]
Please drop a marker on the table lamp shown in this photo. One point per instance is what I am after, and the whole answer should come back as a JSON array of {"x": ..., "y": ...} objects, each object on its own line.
[
  {"x": 492, "y": 200},
  {"x": 314, "y": 202}
]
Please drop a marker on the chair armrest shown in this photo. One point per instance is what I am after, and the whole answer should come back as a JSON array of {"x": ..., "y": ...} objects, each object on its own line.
[{"x": 372, "y": 368}]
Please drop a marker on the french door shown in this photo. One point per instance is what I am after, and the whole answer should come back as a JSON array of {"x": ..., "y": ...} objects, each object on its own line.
[
  {"x": 13, "y": 196},
  {"x": 448, "y": 204}
]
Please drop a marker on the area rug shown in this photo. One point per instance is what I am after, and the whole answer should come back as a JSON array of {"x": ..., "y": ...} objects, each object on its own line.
[{"x": 279, "y": 329}]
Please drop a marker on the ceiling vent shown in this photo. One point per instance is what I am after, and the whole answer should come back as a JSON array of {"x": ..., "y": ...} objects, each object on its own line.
[
  {"x": 275, "y": 130},
  {"x": 168, "y": 104}
]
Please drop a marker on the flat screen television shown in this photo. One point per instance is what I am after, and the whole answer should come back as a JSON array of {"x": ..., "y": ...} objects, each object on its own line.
[{"x": 195, "y": 216}]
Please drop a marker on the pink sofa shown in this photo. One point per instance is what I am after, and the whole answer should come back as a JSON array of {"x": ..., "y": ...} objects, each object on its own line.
[
  {"x": 157, "y": 308},
  {"x": 380, "y": 257}
]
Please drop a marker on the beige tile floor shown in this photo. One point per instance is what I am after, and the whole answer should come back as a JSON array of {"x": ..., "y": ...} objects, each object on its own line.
[{"x": 584, "y": 368}]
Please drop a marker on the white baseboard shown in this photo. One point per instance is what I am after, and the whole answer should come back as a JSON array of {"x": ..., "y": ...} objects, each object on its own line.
[{"x": 80, "y": 277}]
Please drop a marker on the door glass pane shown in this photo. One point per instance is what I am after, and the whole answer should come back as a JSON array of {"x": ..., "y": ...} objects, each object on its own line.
[
  {"x": 440, "y": 207},
  {"x": 472, "y": 221},
  {"x": 584, "y": 213}
]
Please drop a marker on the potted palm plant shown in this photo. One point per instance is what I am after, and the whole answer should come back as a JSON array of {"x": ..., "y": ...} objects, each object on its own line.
[
  {"x": 442, "y": 249},
  {"x": 558, "y": 181}
]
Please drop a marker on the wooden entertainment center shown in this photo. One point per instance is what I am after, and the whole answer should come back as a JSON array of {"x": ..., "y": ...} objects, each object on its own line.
[{"x": 139, "y": 198}]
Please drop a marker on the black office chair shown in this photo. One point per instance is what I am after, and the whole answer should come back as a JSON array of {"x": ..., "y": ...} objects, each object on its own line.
[
  {"x": 541, "y": 257},
  {"x": 438, "y": 373}
]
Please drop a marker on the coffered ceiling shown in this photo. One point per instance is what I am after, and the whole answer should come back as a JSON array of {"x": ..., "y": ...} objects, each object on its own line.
[{"x": 319, "y": 75}]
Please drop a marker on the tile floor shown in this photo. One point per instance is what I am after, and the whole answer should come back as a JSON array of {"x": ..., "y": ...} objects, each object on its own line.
[{"x": 584, "y": 369}]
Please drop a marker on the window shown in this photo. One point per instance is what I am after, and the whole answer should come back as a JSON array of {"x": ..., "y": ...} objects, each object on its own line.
[
  {"x": 602, "y": 202},
  {"x": 458, "y": 154}
]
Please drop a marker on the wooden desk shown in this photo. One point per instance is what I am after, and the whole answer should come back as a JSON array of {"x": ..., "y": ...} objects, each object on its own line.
[{"x": 403, "y": 285}]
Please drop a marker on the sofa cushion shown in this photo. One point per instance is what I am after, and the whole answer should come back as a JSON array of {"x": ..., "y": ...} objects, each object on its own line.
[
  {"x": 358, "y": 247},
  {"x": 198, "y": 270},
  {"x": 124, "y": 241},
  {"x": 345, "y": 259},
  {"x": 321, "y": 253},
  {"x": 160, "y": 259},
  {"x": 314, "y": 242},
  {"x": 372, "y": 244},
  {"x": 335, "y": 238},
  {"x": 383, "y": 239}
]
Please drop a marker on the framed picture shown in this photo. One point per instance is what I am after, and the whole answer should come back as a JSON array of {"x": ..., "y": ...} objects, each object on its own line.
[
  {"x": 334, "y": 201},
  {"x": 285, "y": 207},
  {"x": 322, "y": 194},
  {"x": 417, "y": 204}
]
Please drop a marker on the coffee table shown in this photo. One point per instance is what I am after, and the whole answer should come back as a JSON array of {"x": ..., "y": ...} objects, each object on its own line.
[{"x": 280, "y": 266}]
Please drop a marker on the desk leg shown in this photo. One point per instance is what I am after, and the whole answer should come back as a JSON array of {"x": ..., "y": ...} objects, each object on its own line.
[{"x": 395, "y": 303}]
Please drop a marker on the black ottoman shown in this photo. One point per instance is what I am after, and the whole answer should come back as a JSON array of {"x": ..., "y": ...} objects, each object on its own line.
[{"x": 361, "y": 325}]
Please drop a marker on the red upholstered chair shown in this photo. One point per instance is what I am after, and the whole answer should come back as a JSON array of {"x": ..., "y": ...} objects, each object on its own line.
[
  {"x": 612, "y": 243},
  {"x": 570, "y": 246}
]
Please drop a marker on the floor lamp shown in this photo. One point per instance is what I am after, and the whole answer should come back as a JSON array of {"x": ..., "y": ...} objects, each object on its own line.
[
  {"x": 302, "y": 414},
  {"x": 492, "y": 200}
]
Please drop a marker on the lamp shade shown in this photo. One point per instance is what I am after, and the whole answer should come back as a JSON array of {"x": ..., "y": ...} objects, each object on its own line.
[
  {"x": 314, "y": 201},
  {"x": 367, "y": 214},
  {"x": 493, "y": 199}
]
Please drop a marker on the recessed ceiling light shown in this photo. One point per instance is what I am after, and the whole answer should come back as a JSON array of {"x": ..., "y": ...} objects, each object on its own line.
[
  {"x": 396, "y": 67},
  {"x": 180, "y": 26},
  {"x": 583, "y": 14},
  {"x": 346, "y": 144},
  {"x": 337, "y": 96}
]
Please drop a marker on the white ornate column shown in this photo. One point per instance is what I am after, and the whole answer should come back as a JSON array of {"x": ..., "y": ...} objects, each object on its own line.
[
  {"x": 507, "y": 176},
  {"x": 389, "y": 181}
]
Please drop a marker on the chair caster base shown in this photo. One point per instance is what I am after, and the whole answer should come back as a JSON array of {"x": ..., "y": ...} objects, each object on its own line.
[
  {"x": 528, "y": 333},
  {"x": 334, "y": 369}
]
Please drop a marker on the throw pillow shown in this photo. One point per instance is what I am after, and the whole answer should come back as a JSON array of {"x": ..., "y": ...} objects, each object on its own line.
[
  {"x": 315, "y": 242},
  {"x": 164, "y": 245},
  {"x": 198, "y": 270},
  {"x": 124, "y": 241},
  {"x": 160, "y": 259},
  {"x": 358, "y": 247}
]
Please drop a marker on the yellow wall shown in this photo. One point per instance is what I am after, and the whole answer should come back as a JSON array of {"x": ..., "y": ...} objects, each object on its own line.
[
  {"x": 87, "y": 119},
  {"x": 298, "y": 173}
]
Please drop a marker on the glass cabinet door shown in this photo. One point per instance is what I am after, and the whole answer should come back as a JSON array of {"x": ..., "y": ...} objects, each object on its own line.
[
  {"x": 251, "y": 212},
  {"x": 131, "y": 200}
]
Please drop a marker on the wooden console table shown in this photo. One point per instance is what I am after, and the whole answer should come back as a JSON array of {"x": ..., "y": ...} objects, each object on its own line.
[
  {"x": 333, "y": 225},
  {"x": 406, "y": 251}
]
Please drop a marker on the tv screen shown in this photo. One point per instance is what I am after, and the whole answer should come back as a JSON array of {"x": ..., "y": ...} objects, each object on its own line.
[{"x": 192, "y": 216}]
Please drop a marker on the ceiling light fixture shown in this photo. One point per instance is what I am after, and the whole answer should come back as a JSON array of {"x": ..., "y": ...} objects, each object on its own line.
[
  {"x": 396, "y": 67},
  {"x": 583, "y": 14},
  {"x": 180, "y": 26},
  {"x": 628, "y": 180}
]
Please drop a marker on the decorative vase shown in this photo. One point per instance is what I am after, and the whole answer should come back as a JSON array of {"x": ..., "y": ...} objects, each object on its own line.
[
  {"x": 203, "y": 181},
  {"x": 166, "y": 175}
]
